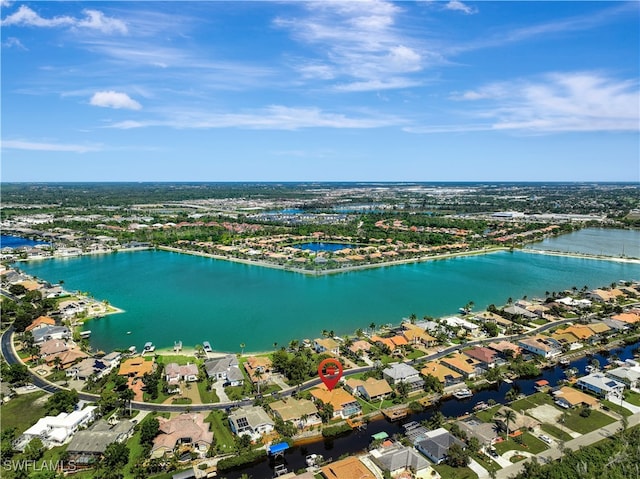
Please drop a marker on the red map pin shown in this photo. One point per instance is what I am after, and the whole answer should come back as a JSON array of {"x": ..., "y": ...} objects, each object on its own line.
[{"x": 330, "y": 371}]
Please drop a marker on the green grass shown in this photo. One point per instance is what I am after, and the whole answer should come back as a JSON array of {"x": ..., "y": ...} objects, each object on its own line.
[
  {"x": 135, "y": 452},
  {"x": 415, "y": 354},
  {"x": 486, "y": 462},
  {"x": 487, "y": 414},
  {"x": 583, "y": 425},
  {"x": 529, "y": 443},
  {"x": 632, "y": 397},
  {"x": 21, "y": 412},
  {"x": 448, "y": 472},
  {"x": 373, "y": 407},
  {"x": 530, "y": 402},
  {"x": 207, "y": 396},
  {"x": 556, "y": 432},
  {"x": 623, "y": 411},
  {"x": 180, "y": 360},
  {"x": 224, "y": 437}
]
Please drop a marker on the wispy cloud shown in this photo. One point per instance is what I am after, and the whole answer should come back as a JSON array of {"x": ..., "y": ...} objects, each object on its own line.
[
  {"x": 13, "y": 42},
  {"x": 93, "y": 20},
  {"x": 276, "y": 117},
  {"x": 113, "y": 99},
  {"x": 53, "y": 147},
  {"x": 357, "y": 44},
  {"x": 558, "y": 102},
  {"x": 457, "y": 5}
]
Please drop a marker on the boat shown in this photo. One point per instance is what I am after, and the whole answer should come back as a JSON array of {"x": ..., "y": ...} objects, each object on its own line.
[
  {"x": 314, "y": 460},
  {"x": 148, "y": 347},
  {"x": 571, "y": 372},
  {"x": 206, "y": 346},
  {"x": 462, "y": 393},
  {"x": 85, "y": 334},
  {"x": 128, "y": 332},
  {"x": 481, "y": 406},
  {"x": 591, "y": 369},
  {"x": 565, "y": 362}
]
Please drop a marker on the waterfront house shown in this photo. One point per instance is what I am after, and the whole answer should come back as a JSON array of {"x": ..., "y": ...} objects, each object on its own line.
[
  {"x": 326, "y": 345},
  {"x": 95, "y": 367},
  {"x": 605, "y": 296},
  {"x": 348, "y": 468},
  {"x": 486, "y": 357},
  {"x": 66, "y": 358},
  {"x": 445, "y": 375},
  {"x": 436, "y": 444},
  {"x": 258, "y": 368},
  {"x": 40, "y": 322},
  {"x": 472, "y": 329},
  {"x": 521, "y": 421},
  {"x": 225, "y": 369},
  {"x": 372, "y": 389},
  {"x": 403, "y": 373},
  {"x": 503, "y": 346},
  {"x": 489, "y": 317},
  {"x": 416, "y": 335},
  {"x": 301, "y": 412},
  {"x": 467, "y": 366},
  {"x": 175, "y": 373},
  {"x": 601, "y": 385},
  {"x": 184, "y": 430},
  {"x": 392, "y": 342},
  {"x": 344, "y": 404},
  {"x": 398, "y": 459},
  {"x": 56, "y": 430},
  {"x": 628, "y": 373},
  {"x": 48, "y": 332},
  {"x": 250, "y": 421},
  {"x": 136, "y": 367},
  {"x": 88, "y": 445},
  {"x": 541, "y": 345},
  {"x": 568, "y": 397},
  {"x": 630, "y": 318},
  {"x": 360, "y": 345},
  {"x": 485, "y": 432}
]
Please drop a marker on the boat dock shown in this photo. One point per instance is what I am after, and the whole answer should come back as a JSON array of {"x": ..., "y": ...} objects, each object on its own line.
[{"x": 396, "y": 413}]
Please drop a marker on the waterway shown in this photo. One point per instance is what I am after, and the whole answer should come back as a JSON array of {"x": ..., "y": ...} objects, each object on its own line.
[
  {"x": 597, "y": 241},
  {"x": 316, "y": 247},
  {"x": 7, "y": 241},
  {"x": 171, "y": 296},
  {"x": 358, "y": 441}
]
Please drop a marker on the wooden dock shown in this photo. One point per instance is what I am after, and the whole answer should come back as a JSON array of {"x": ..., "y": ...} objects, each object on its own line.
[{"x": 396, "y": 413}]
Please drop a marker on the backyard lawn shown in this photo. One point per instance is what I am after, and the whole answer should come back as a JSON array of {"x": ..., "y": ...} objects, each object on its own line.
[
  {"x": 13, "y": 412},
  {"x": 223, "y": 435},
  {"x": 530, "y": 444},
  {"x": 207, "y": 396},
  {"x": 556, "y": 432},
  {"x": 583, "y": 425},
  {"x": 448, "y": 472},
  {"x": 530, "y": 402}
]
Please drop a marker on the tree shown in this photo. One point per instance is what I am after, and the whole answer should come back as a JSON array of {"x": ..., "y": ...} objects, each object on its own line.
[
  {"x": 126, "y": 396},
  {"x": 242, "y": 345},
  {"x": 436, "y": 421},
  {"x": 402, "y": 389},
  {"x": 149, "y": 430},
  {"x": 34, "y": 450},
  {"x": 61, "y": 401},
  {"x": 258, "y": 375},
  {"x": 507, "y": 415},
  {"x": 457, "y": 456},
  {"x": 116, "y": 456},
  {"x": 372, "y": 327},
  {"x": 326, "y": 413}
]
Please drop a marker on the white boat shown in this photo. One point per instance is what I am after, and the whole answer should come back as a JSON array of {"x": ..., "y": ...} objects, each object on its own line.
[
  {"x": 314, "y": 459},
  {"x": 565, "y": 361},
  {"x": 206, "y": 346},
  {"x": 148, "y": 347},
  {"x": 462, "y": 393}
]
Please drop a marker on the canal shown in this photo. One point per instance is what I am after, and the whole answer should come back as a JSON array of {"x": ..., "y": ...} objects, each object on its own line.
[{"x": 357, "y": 441}]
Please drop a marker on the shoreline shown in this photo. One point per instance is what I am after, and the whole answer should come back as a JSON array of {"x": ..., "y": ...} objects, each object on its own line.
[{"x": 577, "y": 255}]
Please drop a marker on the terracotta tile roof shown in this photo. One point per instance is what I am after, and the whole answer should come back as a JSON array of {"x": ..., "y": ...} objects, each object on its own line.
[
  {"x": 575, "y": 397},
  {"x": 349, "y": 468},
  {"x": 337, "y": 398},
  {"x": 40, "y": 321},
  {"x": 629, "y": 318},
  {"x": 461, "y": 362},
  {"x": 482, "y": 354},
  {"x": 137, "y": 367},
  {"x": 439, "y": 371}
]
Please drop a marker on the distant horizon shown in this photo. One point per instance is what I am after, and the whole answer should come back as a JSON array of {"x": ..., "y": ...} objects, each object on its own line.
[
  {"x": 445, "y": 91},
  {"x": 305, "y": 182}
]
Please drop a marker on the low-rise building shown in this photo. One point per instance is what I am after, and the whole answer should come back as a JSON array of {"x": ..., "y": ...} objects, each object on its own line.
[
  {"x": 348, "y": 468},
  {"x": 541, "y": 345},
  {"x": 463, "y": 364},
  {"x": 486, "y": 357},
  {"x": 403, "y": 373},
  {"x": 136, "y": 367},
  {"x": 251, "y": 421},
  {"x": 56, "y": 430},
  {"x": 398, "y": 459},
  {"x": 300, "y": 412},
  {"x": 344, "y": 404},
  {"x": 568, "y": 397},
  {"x": 88, "y": 445},
  {"x": 225, "y": 369},
  {"x": 372, "y": 389},
  {"x": 601, "y": 385},
  {"x": 183, "y": 430},
  {"x": 445, "y": 375},
  {"x": 436, "y": 444},
  {"x": 326, "y": 345},
  {"x": 174, "y": 373},
  {"x": 629, "y": 373}
]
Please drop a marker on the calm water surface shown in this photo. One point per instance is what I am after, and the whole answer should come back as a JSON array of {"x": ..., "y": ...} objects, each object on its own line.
[
  {"x": 601, "y": 241},
  {"x": 170, "y": 296}
]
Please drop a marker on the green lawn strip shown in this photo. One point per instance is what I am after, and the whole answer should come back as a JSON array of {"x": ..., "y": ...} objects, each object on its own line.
[
  {"x": 556, "y": 432},
  {"x": 448, "y": 472},
  {"x": 487, "y": 414},
  {"x": 207, "y": 396},
  {"x": 583, "y": 425},
  {"x": 135, "y": 452},
  {"x": 530, "y": 402},
  {"x": 180, "y": 360},
  {"x": 623, "y": 411},
  {"x": 486, "y": 462},
  {"x": 415, "y": 354},
  {"x": 529, "y": 444},
  {"x": 223, "y": 435},
  {"x": 368, "y": 407},
  {"x": 632, "y": 397},
  {"x": 22, "y": 412},
  {"x": 162, "y": 397}
]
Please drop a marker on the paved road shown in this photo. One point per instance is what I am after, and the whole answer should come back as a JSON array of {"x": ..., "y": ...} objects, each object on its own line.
[
  {"x": 11, "y": 356},
  {"x": 574, "y": 444}
]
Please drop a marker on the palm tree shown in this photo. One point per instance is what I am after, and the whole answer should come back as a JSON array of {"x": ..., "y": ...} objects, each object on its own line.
[
  {"x": 258, "y": 375},
  {"x": 413, "y": 318},
  {"x": 508, "y": 415},
  {"x": 126, "y": 396},
  {"x": 242, "y": 345},
  {"x": 359, "y": 333},
  {"x": 372, "y": 326},
  {"x": 275, "y": 345}
]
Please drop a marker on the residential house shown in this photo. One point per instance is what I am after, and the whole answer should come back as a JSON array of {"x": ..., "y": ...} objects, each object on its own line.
[
  {"x": 437, "y": 443},
  {"x": 472, "y": 329},
  {"x": 175, "y": 373},
  {"x": 360, "y": 345},
  {"x": 88, "y": 445},
  {"x": 489, "y": 317},
  {"x": 52, "y": 347},
  {"x": 503, "y": 346},
  {"x": 344, "y": 404},
  {"x": 348, "y": 468},
  {"x": 403, "y": 373},
  {"x": 66, "y": 358},
  {"x": 521, "y": 421},
  {"x": 187, "y": 429},
  {"x": 96, "y": 367},
  {"x": 628, "y": 373},
  {"x": 301, "y": 412},
  {"x": 40, "y": 322},
  {"x": 485, "y": 432},
  {"x": 518, "y": 311},
  {"x": 392, "y": 342},
  {"x": 398, "y": 459},
  {"x": 463, "y": 364},
  {"x": 372, "y": 389},
  {"x": 605, "y": 296},
  {"x": 541, "y": 345},
  {"x": 225, "y": 369},
  {"x": 56, "y": 430},
  {"x": 445, "y": 375},
  {"x": 48, "y": 332},
  {"x": 601, "y": 385},
  {"x": 326, "y": 345},
  {"x": 568, "y": 397},
  {"x": 487, "y": 357},
  {"x": 416, "y": 335},
  {"x": 250, "y": 421},
  {"x": 630, "y": 318},
  {"x": 136, "y": 367},
  {"x": 258, "y": 368}
]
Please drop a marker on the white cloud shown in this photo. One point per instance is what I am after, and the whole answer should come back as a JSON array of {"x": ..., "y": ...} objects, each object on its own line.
[
  {"x": 38, "y": 146},
  {"x": 93, "y": 20},
  {"x": 558, "y": 102},
  {"x": 457, "y": 5},
  {"x": 275, "y": 117},
  {"x": 113, "y": 99},
  {"x": 12, "y": 42},
  {"x": 357, "y": 43}
]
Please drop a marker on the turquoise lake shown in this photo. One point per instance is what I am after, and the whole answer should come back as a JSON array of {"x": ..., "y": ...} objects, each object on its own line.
[
  {"x": 171, "y": 296},
  {"x": 599, "y": 241}
]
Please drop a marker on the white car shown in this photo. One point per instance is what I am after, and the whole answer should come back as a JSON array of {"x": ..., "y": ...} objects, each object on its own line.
[{"x": 546, "y": 439}]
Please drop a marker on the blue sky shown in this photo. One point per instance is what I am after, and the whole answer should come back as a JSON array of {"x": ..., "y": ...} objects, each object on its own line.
[{"x": 327, "y": 91}]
